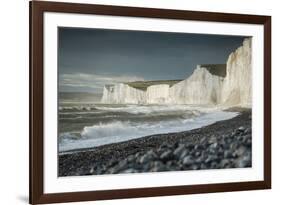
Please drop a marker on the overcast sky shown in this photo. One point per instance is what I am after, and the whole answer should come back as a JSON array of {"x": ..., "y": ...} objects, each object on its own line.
[{"x": 91, "y": 58}]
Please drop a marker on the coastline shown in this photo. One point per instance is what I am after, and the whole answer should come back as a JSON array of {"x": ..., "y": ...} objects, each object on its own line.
[{"x": 224, "y": 144}]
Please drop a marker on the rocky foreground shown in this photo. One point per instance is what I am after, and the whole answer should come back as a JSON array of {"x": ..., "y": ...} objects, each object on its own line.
[{"x": 225, "y": 144}]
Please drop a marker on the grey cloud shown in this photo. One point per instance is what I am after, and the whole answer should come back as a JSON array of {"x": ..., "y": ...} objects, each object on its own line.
[{"x": 88, "y": 82}]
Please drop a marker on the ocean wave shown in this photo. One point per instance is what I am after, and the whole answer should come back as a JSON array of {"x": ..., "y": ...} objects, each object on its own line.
[
  {"x": 134, "y": 109},
  {"x": 76, "y": 108},
  {"x": 114, "y": 129},
  {"x": 148, "y": 109},
  {"x": 67, "y": 137},
  {"x": 118, "y": 131}
]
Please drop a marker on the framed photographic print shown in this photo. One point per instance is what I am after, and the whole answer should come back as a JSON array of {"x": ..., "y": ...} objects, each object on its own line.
[{"x": 139, "y": 102}]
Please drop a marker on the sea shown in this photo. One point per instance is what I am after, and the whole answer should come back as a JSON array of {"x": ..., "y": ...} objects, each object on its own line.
[{"x": 83, "y": 125}]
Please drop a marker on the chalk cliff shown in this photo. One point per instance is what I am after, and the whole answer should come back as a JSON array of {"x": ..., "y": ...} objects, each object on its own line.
[
  {"x": 201, "y": 87},
  {"x": 123, "y": 94},
  {"x": 237, "y": 86},
  {"x": 228, "y": 84},
  {"x": 158, "y": 94}
]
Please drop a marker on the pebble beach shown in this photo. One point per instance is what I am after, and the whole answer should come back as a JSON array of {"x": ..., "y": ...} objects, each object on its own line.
[{"x": 224, "y": 144}]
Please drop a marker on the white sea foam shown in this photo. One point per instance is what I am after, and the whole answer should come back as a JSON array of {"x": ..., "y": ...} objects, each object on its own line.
[{"x": 117, "y": 131}]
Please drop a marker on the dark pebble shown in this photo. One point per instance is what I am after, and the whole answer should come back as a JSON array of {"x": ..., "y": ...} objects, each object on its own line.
[
  {"x": 167, "y": 155},
  {"x": 187, "y": 161}
]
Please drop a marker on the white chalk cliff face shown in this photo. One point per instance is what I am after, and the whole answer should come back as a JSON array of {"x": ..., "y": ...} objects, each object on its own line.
[
  {"x": 237, "y": 86},
  {"x": 123, "y": 94},
  {"x": 158, "y": 94},
  {"x": 205, "y": 86},
  {"x": 200, "y": 88}
]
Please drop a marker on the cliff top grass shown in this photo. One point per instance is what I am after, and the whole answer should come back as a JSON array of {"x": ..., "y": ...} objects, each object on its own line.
[
  {"x": 143, "y": 85},
  {"x": 216, "y": 69}
]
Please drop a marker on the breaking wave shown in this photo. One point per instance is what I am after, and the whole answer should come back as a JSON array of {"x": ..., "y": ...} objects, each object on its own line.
[{"x": 118, "y": 131}]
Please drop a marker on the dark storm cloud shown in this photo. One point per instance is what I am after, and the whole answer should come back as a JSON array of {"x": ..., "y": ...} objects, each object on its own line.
[{"x": 90, "y": 58}]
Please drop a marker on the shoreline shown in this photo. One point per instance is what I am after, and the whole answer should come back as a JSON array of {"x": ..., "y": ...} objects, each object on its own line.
[
  {"x": 223, "y": 144},
  {"x": 237, "y": 111}
]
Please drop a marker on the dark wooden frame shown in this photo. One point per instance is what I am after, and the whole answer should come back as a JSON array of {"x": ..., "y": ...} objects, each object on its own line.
[{"x": 37, "y": 9}]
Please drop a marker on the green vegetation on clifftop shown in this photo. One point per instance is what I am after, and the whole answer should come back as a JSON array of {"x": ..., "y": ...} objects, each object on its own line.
[{"x": 143, "y": 85}]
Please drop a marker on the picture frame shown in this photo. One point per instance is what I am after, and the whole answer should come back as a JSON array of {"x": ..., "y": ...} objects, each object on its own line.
[{"x": 37, "y": 194}]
